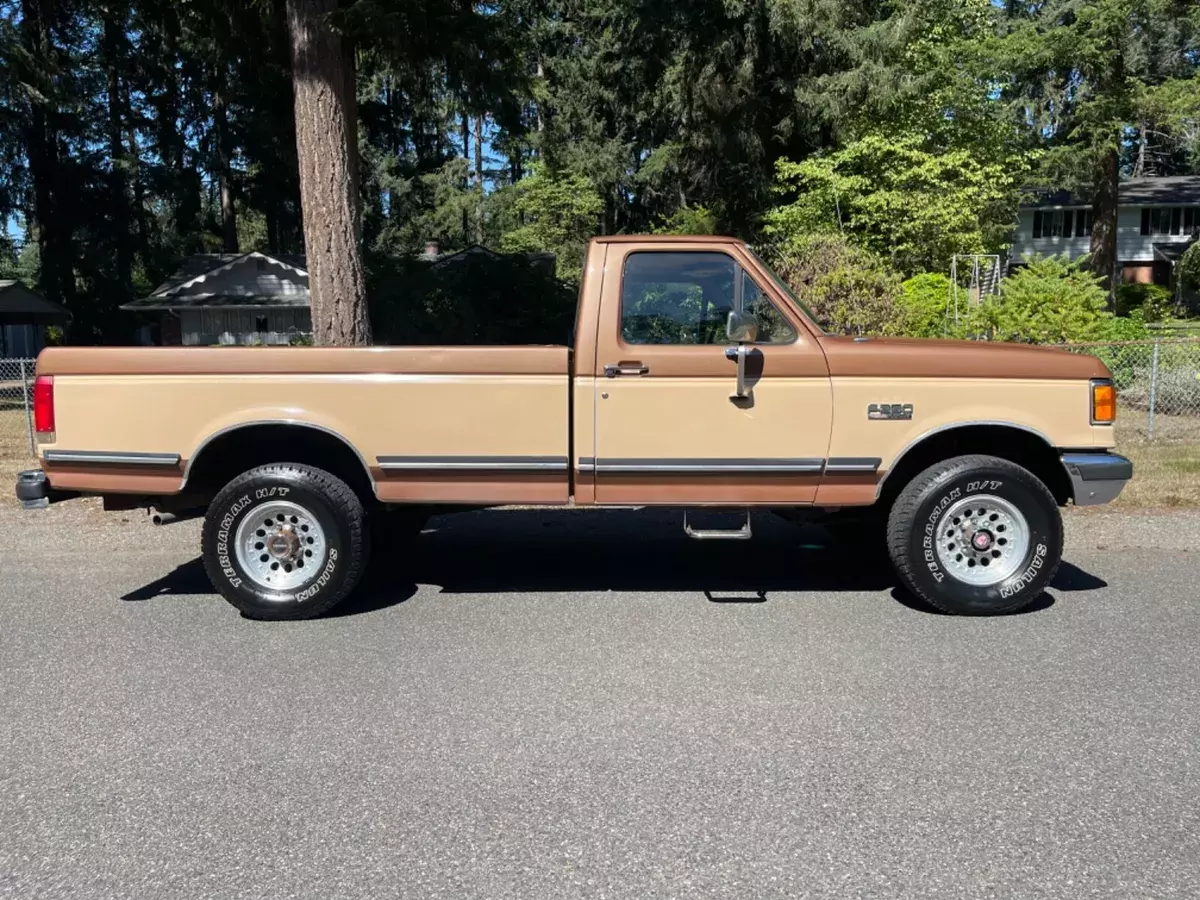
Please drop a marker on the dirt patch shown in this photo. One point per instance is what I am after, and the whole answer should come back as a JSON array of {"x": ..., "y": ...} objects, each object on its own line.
[{"x": 14, "y": 451}]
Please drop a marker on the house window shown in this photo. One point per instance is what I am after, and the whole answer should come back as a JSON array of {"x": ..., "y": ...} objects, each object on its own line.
[
  {"x": 260, "y": 324},
  {"x": 1164, "y": 219},
  {"x": 1083, "y": 223},
  {"x": 1056, "y": 223}
]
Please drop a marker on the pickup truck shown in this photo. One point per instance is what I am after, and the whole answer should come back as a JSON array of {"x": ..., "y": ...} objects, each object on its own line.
[{"x": 695, "y": 379}]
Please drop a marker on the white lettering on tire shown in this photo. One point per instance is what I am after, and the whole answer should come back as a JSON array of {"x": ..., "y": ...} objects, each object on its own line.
[
  {"x": 223, "y": 540},
  {"x": 975, "y": 487},
  {"x": 322, "y": 579},
  {"x": 1023, "y": 580},
  {"x": 930, "y": 529}
]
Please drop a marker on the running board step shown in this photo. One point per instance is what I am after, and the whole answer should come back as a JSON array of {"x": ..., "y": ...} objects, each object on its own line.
[{"x": 718, "y": 534}]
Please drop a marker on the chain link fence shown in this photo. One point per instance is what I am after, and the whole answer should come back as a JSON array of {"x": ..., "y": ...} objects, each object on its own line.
[
  {"x": 16, "y": 396},
  {"x": 1158, "y": 386}
]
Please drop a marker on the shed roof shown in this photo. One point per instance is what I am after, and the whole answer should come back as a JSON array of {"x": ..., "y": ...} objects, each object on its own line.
[
  {"x": 17, "y": 301},
  {"x": 254, "y": 280}
]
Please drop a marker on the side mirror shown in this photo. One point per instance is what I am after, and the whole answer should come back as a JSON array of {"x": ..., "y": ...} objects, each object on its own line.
[{"x": 741, "y": 328}]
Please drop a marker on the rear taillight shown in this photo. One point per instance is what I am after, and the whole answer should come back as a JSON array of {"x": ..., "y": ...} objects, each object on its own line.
[{"x": 43, "y": 407}]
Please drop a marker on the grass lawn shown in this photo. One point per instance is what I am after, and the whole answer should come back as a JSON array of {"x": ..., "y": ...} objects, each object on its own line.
[
  {"x": 14, "y": 450},
  {"x": 1166, "y": 471}
]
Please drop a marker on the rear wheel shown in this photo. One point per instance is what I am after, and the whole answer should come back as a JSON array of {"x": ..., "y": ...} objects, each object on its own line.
[
  {"x": 976, "y": 535},
  {"x": 285, "y": 541}
]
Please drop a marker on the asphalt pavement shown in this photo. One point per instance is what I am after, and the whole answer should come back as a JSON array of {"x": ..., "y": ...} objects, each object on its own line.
[{"x": 549, "y": 704}]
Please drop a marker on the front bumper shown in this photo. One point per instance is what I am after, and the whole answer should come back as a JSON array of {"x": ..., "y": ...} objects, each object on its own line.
[{"x": 1097, "y": 478}]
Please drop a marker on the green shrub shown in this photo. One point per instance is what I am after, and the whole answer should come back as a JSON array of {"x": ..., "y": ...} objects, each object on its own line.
[
  {"x": 1154, "y": 301},
  {"x": 1049, "y": 300},
  {"x": 847, "y": 289},
  {"x": 924, "y": 306},
  {"x": 1122, "y": 328},
  {"x": 1187, "y": 270}
]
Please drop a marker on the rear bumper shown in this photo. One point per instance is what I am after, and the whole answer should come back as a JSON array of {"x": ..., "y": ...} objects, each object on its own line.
[
  {"x": 35, "y": 492},
  {"x": 1097, "y": 478}
]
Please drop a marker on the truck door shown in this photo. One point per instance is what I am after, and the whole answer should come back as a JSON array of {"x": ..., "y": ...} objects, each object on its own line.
[{"x": 672, "y": 424}]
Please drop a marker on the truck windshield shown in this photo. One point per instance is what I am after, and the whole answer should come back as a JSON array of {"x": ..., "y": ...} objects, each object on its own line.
[{"x": 782, "y": 285}]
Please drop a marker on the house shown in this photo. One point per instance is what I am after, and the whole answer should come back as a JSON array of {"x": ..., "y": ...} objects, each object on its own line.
[
  {"x": 24, "y": 315},
  {"x": 224, "y": 298},
  {"x": 1157, "y": 218}
]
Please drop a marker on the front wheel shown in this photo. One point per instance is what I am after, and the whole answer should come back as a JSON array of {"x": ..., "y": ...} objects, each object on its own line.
[
  {"x": 976, "y": 535},
  {"x": 285, "y": 541}
]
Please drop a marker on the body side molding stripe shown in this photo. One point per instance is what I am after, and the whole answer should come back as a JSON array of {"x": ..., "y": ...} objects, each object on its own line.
[
  {"x": 473, "y": 463},
  {"x": 702, "y": 466},
  {"x": 113, "y": 458},
  {"x": 857, "y": 465}
]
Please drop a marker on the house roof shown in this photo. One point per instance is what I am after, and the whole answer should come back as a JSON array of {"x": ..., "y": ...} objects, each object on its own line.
[
  {"x": 251, "y": 280},
  {"x": 478, "y": 251},
  {"x": 17, "y": 301},
  {"x": 1171, "y": 190}
]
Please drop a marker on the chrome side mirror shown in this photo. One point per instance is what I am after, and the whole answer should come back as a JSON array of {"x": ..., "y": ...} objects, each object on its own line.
[{"x": 741, "y": 328}]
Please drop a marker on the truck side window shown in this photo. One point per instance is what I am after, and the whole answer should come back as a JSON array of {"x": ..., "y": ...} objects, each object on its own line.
[
  {"x": 773, "y": 328},
  {"x": 686, "y": 297}
]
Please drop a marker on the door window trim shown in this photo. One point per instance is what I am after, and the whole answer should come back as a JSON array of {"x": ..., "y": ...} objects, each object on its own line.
[{"x": 738, "y": 297}]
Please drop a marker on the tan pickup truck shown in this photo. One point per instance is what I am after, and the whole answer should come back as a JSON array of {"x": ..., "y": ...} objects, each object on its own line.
[{"x": 696, "y": 379}]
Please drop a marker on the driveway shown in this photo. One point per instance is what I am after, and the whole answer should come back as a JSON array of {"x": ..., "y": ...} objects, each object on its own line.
[{"x": 546, "y": 704}]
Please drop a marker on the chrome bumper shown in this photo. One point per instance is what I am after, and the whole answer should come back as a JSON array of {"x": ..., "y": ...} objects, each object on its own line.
[{"x": 1096, "y": 478}]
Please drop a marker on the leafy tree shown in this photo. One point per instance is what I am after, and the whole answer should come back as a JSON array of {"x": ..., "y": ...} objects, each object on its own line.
[
  {"x": 848, "y": 289},
  {"x": 559, "y": 214},
  {"x": 901, "y": 199}
]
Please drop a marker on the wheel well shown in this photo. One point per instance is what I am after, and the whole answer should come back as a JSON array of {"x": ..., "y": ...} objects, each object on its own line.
[
  {"x": 1026, "y": 449},
  {"x": 233, "y": 452}
]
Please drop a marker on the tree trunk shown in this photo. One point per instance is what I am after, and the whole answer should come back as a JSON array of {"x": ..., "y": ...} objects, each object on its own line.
[
  {"x": 466, "y": 152},
  {"x": 1139, "y": 165},
  {"x": 55, "y": 250},
  {"x": 1104, "y": 217},
  {"x": 327, "y": 147},
  {"x": 229, "y": 232},
  {"x": 541, "y": 119},
  {"x": 479, "y": 179},
  {"x": 118, "y": 194}
]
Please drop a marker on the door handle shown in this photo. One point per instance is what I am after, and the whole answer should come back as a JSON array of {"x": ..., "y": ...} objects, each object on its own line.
[
  {"x": 738, "y": 354},
  {"x": 631, "y": 369}
]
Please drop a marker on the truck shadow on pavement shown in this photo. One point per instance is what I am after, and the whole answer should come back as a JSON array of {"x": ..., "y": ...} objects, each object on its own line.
[{"x": 560, "y": 551}]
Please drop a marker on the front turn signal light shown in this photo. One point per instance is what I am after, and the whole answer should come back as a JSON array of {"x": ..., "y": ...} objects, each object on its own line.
[{"x": 1104, "y": 403}]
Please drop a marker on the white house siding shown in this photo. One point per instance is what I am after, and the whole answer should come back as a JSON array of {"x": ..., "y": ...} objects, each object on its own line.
[
  {"x": 1132, "y": 245},
  {"x": 1025, "y": 244},
  {"x": 205, "y": 327}
]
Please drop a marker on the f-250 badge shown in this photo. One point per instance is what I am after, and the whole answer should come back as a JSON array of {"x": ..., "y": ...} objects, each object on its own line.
[{"x": 890, "y": 411}]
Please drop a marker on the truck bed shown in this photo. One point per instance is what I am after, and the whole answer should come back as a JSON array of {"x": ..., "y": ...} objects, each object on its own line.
[{"x": 430, "y": 424}]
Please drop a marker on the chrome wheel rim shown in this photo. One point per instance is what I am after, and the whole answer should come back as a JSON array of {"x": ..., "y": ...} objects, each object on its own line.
[
  {"x": 982, "y": 540},
  {"x": 280, "y": 545}
]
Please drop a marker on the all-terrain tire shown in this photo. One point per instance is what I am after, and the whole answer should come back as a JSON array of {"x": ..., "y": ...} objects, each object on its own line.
[
  {"x": 300, "y": 509},
  {"x": 930, "y": 510}
]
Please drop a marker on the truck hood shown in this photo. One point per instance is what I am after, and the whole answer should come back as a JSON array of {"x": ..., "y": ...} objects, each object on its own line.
[{"x": 931, "y": 358}]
